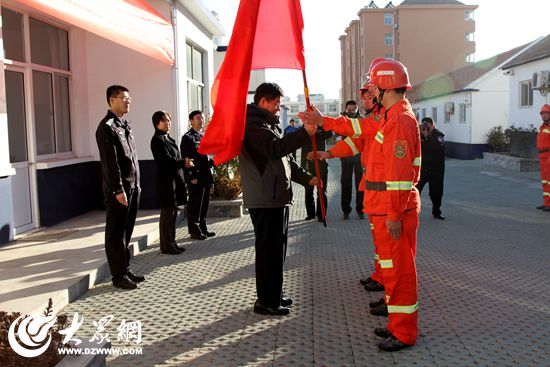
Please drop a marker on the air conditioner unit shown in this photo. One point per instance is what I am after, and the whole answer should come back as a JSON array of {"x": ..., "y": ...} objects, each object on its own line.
[
  {"x": 450, "y": 107},
  {"x": 540, "y": 79}
]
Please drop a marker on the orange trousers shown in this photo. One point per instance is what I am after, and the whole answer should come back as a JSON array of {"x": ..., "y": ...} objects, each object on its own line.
[
  {"x": 545, "y": 177},
  {"x": 377, "y": 273},
  {"x": 398, "y": 268}
]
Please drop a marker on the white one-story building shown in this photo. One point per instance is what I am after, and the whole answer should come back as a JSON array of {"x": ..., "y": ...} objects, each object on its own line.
[
  {"x": 58, "y": 59},
  {"x": 529, "y": 80},
  {"x": 467, "y": 103}
]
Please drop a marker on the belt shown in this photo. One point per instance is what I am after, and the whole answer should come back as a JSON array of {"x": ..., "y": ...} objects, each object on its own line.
[
  {"x": 375, "y": 186},
  {"x": 544, "y": 151}
]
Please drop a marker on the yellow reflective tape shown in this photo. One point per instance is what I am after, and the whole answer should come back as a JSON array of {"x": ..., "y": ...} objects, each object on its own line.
[
  {"x": 417, "y": 161},
  {"x": 386, "y": 264},
  {"x": 376, "y": 257},
  {"x": 399, "y": 185},
  {"x": 545, "y": 182},
  {"x": 403, "y": 309},
  {"x": 350, "y": 143},
  {"x": 546, "y": 194},
  {"x": 356, "y": 128},
  {"x": 379, "y": 137},
  {"x": 371, "y": 225},
  {"x": 547, "y": 131},
  {"x": 387, "y": 298}
]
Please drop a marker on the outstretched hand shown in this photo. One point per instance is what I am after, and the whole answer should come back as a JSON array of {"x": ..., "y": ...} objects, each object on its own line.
[
  {"x": 313, "y": 181},
  {"x": 313, "y": 117},
  {"x": 321, "y": 155}
]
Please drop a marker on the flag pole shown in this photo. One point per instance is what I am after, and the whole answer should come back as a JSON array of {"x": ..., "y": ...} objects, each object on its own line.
[{"x": 315, "y": 158}]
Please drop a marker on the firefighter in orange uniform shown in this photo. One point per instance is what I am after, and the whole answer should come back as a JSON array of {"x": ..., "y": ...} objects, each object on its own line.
[
  {"x": 391, "y": 199},
  {"x": 543, "y": 147}
]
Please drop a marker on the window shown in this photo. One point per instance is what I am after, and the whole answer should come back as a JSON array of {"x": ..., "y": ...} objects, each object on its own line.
[
  {"x": 434, "y": 114},
  {"x": 447, "y": 117},
  {"x": 321, "y": 108},
  {"x": 388, "y": 18},
  {"x": 423, "y": 112},
  {"x": 469, "y": 58},
  {"x": 468, "y": 15},
  {"x": 388, "y": 39},
  {"x": 526, "y": 94},
  {"x": 332, "y": 108},
  {"x": 49, "y": 48},
  {"x": 462, "y": 112},
  {"x": 294, "y": 109},
  {"x": 195, "y": 78}
]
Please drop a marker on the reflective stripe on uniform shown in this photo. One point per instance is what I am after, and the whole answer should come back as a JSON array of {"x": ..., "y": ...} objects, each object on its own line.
[
  {"x": 547, "y": 131},
  {"x": 379, "y": 137},
  {"x": 387, "y": 299},
  {"x": 371, "y": 226},
  {"x": 417, "y": 161},
  {"x": 546, "y": 194},
  {"x": 376, "y": 257},
  {"x": 399, "y": 185},
  {"x": 386, "y": 264},
  {"x": 356, "y": 128},
  {"x": 545, "y": 182},
  {"x": 403, "y": 309},
  {"x": 350, "y": 143}
]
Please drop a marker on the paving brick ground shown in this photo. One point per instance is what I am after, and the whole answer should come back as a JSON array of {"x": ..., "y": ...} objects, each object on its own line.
[{"x": 483, "y": 287}]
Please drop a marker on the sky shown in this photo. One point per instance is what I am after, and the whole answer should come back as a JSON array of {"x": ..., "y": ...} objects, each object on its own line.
[{"x": 500, "y": 26}]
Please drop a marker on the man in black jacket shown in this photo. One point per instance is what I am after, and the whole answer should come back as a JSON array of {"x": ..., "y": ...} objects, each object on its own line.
[
  {"x": 432, "y": 170},
  {"x": 198, "y": 178},
  {"x": 120, "y": 170},
  {"x": 171, "y": 190},
  {"x": 266, "y": 171}
]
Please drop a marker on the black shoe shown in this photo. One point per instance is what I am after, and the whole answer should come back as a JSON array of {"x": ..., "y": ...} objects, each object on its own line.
[
  {"x": 125, "y": 283},
  {"x": 540, "y": 207},
  {"x": 439, "y": 216},
  {"x": 209, "y": 234},
  {"x": 264, "y": 310},
  {"x": 374, "y": 304},
  {"x": 374, "y": 287},
  {"x": 319, "y": 219},
  {"x": 135, "y": 278},
  {"x": 361, "y": 216},
  {"x": 546, "y": 209},
  {"x": 286, "y": 301},
  {"x": 171, "y": 251},
  {"x": 382, "y": 332},
  {"x": 392, "y": 345},
  {"x": 345, "y": 216},
  {"x": 381, "y": 310},
  {"x": 364, "y": 281},
  {"x": 310, "y": 217},
  {"x": 179, "y": 248},
  {"x": 198, "y": 236}
]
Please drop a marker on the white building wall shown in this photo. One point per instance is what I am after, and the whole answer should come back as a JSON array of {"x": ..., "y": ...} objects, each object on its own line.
[{"x": 525, "y": 116}]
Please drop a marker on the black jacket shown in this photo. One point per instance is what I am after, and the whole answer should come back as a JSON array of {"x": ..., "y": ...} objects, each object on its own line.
[
  {"x": 117, "y": 151},
  {"x": 320, "y": 137},
  {"x": 203, "y": 163},
  {"x": 433, "y": 150},
  {"x": 265, "y": 163},
  {"x": 171, "y": 190}
]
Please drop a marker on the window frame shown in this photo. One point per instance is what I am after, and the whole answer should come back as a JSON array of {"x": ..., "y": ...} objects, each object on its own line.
[
  {"x": 388, "y": 16},
  {"x": 462, "y": 112},
  {"x": 529, "y": 84},
  {"x": 388, "y": 39},
  {"x": 191, "y": 81}
]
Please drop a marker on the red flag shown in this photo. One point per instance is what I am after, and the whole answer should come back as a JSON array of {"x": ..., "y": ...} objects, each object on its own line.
[{"x": 266, "y": 34}]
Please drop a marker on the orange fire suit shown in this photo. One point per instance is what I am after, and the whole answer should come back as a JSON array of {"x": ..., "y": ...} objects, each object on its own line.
[
  {"x": 543, "y": 147},
  {"x": 349, "y": 147},
  {"x": 393, "y": 169}
]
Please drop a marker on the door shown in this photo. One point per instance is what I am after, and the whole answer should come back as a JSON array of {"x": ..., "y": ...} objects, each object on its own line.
[{"x": 19, "y": 152}]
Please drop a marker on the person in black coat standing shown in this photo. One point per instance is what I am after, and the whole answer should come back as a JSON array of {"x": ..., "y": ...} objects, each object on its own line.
[
  {"x": 433, "y": 163},
  {"x": 171, "y": 190},
  {"x": 198, "y": 178}
]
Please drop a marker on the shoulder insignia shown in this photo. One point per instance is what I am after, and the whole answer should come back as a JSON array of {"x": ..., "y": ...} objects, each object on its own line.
[
  {"x": 400, "y": 148},
  {"x": 109, "y": 122}
]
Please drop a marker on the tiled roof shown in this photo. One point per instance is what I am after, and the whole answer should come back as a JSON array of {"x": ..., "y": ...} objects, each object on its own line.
[
  {"x": 539, "y": 50},
  {"x": 431, "y": 2},
  {"x": 456, "y": 81}
]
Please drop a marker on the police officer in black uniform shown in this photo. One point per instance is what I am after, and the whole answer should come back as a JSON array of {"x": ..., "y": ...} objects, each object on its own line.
[
  {"x": 433, "y": 163},
  {"x": 120, "y": 170},
  {"x": 198, "y": 178}
]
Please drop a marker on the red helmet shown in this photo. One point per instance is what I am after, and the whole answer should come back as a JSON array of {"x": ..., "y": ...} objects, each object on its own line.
[
  {"x": 545, "y": 108},
  {"x": 390, "y": 74}
]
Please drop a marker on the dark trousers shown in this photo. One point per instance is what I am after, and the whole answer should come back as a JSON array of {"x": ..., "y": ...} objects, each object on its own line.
[
  {"x": 434, "y": 178},
  {"x": 119, "y": 226},
  {"x": 309, "y": 201},
  {"x": 167, "y": 228},
  {"x": 197, "y": 208},
  {"x": 271, "y": 231},
  {"x": 348, "y": 170}
]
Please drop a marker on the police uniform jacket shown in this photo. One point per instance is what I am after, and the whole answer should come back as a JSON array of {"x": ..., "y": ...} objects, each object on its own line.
[
  {"x": 171, "y": 190},
  {"x": 202, "y": 170},
  {"x": 117, "y": 150},
  {"x": 433, "y": 150}
]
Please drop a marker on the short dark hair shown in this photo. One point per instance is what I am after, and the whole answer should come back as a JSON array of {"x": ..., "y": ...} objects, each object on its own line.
[
  {"x": 428, "y": 120},
  {"x": 159, "y": 116},
  {"x": 292, "y": 120},
  {"x": 401, "y": 90},
  {"x": 114, "y": 91},
  {"x": 269, "y": 91},
  {"x": 351, "y": 102},
  {"x": 194, "y": 113}
]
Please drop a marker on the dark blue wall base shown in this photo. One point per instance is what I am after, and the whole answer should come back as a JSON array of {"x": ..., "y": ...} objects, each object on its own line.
[
  {"x": 465, "y": 151},
  {"x": 69, "y": 191},
  {"x": 6, "y": 211}
]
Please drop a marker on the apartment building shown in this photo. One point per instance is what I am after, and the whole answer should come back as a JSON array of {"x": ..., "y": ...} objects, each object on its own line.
[
  {"x": 430, "y": 37},
  {"x": 328, "y": 107}
]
